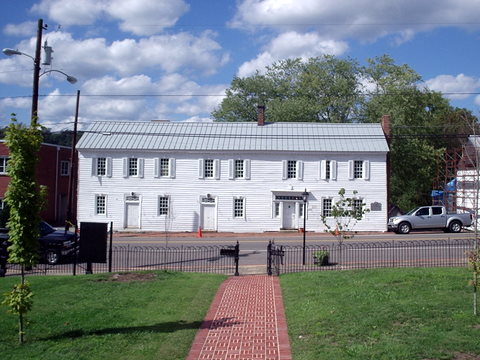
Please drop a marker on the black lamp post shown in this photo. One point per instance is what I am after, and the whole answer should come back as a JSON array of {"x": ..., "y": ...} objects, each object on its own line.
[{"x": 304, "y": 198}]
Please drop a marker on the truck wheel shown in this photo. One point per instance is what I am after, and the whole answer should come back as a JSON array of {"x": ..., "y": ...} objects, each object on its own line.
[
  {"x": 52, "y": 257},
  {"x": 404, "y": 228},
  {"x": 455, "y": 227}
]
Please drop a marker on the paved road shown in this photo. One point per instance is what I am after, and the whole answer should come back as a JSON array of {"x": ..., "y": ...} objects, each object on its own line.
[{"x": 253, "y": 247}]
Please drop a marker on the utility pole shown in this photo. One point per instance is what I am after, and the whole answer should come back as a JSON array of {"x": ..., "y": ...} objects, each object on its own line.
[
  {"x": 71, "y": 185},
  {"x": 36, "y": 73}
]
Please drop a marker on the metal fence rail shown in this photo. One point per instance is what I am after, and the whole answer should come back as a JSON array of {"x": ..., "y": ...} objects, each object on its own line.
[
  {"x": 206, "y": 259},
  {"x": 392, "y": 254}
]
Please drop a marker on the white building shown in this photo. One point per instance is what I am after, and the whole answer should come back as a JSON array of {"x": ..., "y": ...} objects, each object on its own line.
[{"x": 228, "y": 177}]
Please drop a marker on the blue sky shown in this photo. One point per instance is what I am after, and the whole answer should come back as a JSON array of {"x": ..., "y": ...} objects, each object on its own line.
[{"x": 173, "y": 59}]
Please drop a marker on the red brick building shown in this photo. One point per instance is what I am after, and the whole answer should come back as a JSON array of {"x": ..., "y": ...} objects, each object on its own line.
[{"x": 53, "y": 171}]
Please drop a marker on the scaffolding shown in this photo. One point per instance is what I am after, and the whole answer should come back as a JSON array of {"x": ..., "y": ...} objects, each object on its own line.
[{"x": 456, "y": 183}]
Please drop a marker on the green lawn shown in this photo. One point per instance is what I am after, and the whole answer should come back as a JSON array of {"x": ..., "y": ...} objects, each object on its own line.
[
  {"x": 99, "y": 317},
  {"x": 381, "y": 314}
]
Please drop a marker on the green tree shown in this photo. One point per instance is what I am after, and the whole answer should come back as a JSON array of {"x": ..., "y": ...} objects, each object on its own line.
[{"x": 24, "y": 198}]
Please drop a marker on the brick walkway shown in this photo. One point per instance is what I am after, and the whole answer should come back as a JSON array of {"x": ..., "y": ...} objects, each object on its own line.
[{"x": 246, "y": 321}]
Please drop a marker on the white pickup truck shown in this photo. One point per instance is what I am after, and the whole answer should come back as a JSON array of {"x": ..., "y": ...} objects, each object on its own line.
[{"x": 429, "y": 217}]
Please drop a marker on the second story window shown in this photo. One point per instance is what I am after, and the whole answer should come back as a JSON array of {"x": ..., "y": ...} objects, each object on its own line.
[
  {"x": 208, "y": 169},
  {"x": 101, "y": 166},
  {"x": 291, "y": 169},
  {"x": 358, "y": 169},
  {"x": 132, "y": 167},
  {"x": 3, "y": 165},
  {"x": 64, "y": 168},
  {"x": 239, "y": 171},
  {"x": 164, "y": 167}
]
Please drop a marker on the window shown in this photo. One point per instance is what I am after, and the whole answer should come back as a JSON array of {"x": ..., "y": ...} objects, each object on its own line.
[
  {"x": 300, "y": 209},
  {"x": 276, "y": 209},
  {"x": 208, "y": 169},
  {"x": 327, "y": 169},
  {"x": 327, "y": 207},
  {"x": 164, "y": 167},
  {"x": 163, "y": 205},
  {"x": 358, "y": 169},
  {"x": 357, "y": 205},
  {"x": 3, "y": 165},
  {"x": 239, "y": 169},
  {"x": 100, "y": 204},
  {"x": 437, "y": 210},
  {"x": 132, "y": 167},
  {"x": 64, "y": 168},
  {"x": 238, "y": 207},
  {"x": 101, "y": 166},
  {"x": 291, "y": 169}
]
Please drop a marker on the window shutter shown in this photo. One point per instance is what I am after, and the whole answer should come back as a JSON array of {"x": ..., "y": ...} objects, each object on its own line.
[
  {"x": 94, "y": 166},
  {"x": 231, "y": 164},
  {"x": 350, "y": 169},
  {"x": 216, "y": 164},
  {"x": 300, "y": 170},
  {"x": 109, "y": 167},
  {"x": 156, "y": 170},
  {"x": 201, "y": 172},
  {"x": 125, "y": 167},
  {"x": 323, "y": 169},
  {"x": 333, "y": 169},
  {"x": 366, "y": 170},
  {"x": 141, "y": 163},
  {"x": 247, "y": 164},
  {"x": 173, "y": 168},
  {"x": 285, "y": 169}
]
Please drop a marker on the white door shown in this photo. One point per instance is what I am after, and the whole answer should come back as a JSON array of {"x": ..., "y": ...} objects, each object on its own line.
[
  {"x": 133, "y": 215},
  {"x": 288, "y": 215},
  {"x": 208, "y": 216}
]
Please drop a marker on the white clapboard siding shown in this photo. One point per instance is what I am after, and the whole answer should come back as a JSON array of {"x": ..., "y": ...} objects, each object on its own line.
[{"x": 186, "y": 186}]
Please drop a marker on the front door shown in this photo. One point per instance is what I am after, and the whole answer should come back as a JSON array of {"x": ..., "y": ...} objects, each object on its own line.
[
  {"x": 288, "y": 217},
  {"x": 133, "y": 215},
  {"x": 208, "y": 217}
]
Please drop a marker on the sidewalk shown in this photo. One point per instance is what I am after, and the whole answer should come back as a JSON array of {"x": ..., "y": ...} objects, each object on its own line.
[{"x": 245, "y": 321}]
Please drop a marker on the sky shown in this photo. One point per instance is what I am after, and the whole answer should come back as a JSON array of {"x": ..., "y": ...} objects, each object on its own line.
[{"x": 142, "y": 60}]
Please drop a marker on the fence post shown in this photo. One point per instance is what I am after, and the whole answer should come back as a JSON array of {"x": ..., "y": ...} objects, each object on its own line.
[
  {"x": 269, "y": 258},
  {"x": 110, "y": 250},
  {"x": 237, "y": 257}
]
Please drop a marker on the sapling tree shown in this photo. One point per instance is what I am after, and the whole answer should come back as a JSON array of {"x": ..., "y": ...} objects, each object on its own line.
[
  {"x": 345, "y": 213},
  {"x": 474, "y": 264},
  {"x": 24, "y": 199}
]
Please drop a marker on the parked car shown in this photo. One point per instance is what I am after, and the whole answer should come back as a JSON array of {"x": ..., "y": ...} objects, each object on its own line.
[
  {"x": 55, "y": 245},
  {"x": 429, "y": 217}
]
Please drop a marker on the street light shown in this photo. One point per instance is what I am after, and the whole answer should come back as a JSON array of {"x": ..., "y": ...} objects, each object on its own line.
[
  {"x": 36, "y": 68},
  {"x": 304, "y": 198}
]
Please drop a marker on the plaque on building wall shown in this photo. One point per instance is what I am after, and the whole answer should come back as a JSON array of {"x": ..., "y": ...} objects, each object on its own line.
[{"x": 376, "y": 206}]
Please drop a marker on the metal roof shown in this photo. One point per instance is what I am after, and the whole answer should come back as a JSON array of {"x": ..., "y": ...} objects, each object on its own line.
[{"x": 230, "y": 136}]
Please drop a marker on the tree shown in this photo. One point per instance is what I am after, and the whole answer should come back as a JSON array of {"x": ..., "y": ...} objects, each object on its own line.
[
  {"x": 326, "y": 89},
  {"x": 24, "y": 198},
  {"x": 346, "y": 212}
]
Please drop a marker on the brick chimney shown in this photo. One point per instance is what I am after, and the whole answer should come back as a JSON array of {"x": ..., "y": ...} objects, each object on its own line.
[
  {"x": 261, "y": 115},
  {"x": 386, "y": 126}
]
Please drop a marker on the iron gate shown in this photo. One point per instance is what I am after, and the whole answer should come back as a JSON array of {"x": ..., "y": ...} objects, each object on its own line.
[{"x": 275, "y": 256}]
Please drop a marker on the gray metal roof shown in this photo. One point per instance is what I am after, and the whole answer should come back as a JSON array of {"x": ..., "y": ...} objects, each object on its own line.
[{"x": 228, "y": 136}]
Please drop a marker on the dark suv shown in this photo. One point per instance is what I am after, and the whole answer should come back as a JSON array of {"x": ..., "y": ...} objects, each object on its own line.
[{"x": 55, "y": 245}]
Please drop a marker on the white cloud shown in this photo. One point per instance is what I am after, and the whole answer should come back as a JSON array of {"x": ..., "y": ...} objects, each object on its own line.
[
  {"x": 27, "y": 28},
  {"x": 454, "y": 87},
  {"x": 360, "y": 19},
  {"x": 292, "y": 45},
  {"x": 140, "y": 17}
]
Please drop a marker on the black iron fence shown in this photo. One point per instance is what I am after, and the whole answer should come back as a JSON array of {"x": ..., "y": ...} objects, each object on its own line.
[
  {"x": 206, "y": 259},
  {"x": 392, "y": 254}
]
